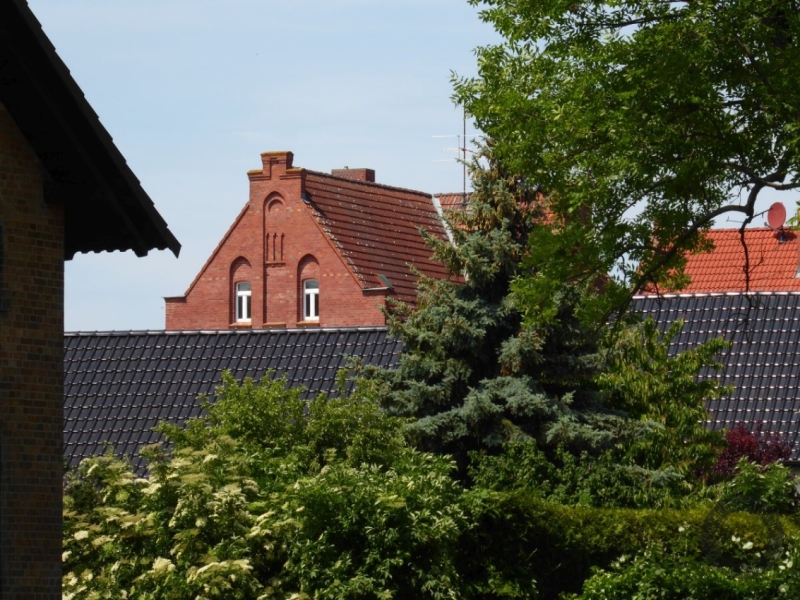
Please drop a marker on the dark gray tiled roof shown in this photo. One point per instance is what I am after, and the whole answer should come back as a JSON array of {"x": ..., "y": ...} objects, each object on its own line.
[
  {"x": 118, "y": 386},
  {"x": 763, "y": 363}
]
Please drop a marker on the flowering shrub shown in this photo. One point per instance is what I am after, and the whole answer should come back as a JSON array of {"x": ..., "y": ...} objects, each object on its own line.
[
  {"x": 268, "y": 496},
  {"x": 686, "y": 576}
]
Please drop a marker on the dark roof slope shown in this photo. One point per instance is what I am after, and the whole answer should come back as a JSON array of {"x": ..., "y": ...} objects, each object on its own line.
[
  {"x": 376, "y": 229},
  {"x": 106, "y": 208},
  {"x": 118, "y": 386},
  {"x": 763, "y": 363}
]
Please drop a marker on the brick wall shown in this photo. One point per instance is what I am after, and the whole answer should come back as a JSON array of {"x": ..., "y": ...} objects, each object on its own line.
[
  {"x": 278, "y": 236},
  {"x": 31, "y": 376}
]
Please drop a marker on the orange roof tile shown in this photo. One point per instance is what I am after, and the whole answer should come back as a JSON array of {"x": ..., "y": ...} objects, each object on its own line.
[
  {"x": 772, "y": 267},
  {"x": 376, "y": 229},
  {"x": 452, "y": 201}
]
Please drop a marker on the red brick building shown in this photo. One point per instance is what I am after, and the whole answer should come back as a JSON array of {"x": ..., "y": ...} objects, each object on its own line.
[
  {"x": 64, "y": 189},
  {"x": 312, "y": 249}
]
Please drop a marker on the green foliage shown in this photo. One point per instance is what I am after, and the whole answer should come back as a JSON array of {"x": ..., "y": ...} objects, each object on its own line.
[
  {"x": 653, "y": 387},
  {"x": 769, "y": 489},
  {"x": 268, "y": 497},
  {"x": 656, "y": 575},
  {"x": 641, "y": 122},
  {"x": 334, "y": 503},
  {"x": 659, "y": 452},
  {"x": 584, "y": 480},
  {"x": 471, "y": 375},
  {"x": 517, "y": 536}
]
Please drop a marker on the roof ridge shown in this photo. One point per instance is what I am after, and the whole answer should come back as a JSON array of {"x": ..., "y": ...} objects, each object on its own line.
[
  {"x": 737, "y": 229},
  {"x": 704, "y": 294},
  {"x": 126, "y": 193},
  {"x": 370, "y": 183},
  {"x": 149, "y": 332}
]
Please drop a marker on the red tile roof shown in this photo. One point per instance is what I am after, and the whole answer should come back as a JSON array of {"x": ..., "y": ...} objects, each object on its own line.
[
  {"x": 452, "y": 201},
  {"x": 773, "y": 265},
  {"x": 376, "y": 229}
]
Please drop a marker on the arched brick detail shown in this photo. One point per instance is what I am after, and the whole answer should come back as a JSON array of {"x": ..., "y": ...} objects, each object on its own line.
[
  {"x": 274, "y": 229},
  {"x": 275, "y": 205}
]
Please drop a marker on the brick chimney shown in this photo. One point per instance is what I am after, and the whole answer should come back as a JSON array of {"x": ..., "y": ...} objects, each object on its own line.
[
  {"x": 275, "y": 164},
  {"x": 367, "y": 175}
]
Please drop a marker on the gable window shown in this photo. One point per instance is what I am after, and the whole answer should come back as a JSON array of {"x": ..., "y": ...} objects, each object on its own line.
[
  {"x": 243, "y": 302},
  {"x": 311, "y": 300}
]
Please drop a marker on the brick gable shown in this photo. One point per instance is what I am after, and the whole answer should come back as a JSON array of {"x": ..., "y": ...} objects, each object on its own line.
[{"x": 355, "y": 237}]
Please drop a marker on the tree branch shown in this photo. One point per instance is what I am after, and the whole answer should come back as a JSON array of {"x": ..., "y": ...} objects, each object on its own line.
[
  {"x": 755, "y": 64},
  {"x": 773, "y": 180}
]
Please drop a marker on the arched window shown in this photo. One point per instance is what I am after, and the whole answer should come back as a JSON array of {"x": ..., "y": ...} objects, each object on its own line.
[
  {"x": 243, "y": 294},
  {"x": 308, "y": 278},
  {"x": 240, "y": 291},
  {"x": 311, "y": 300}
]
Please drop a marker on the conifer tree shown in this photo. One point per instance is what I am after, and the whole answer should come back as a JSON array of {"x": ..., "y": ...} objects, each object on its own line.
[
  {"x": 472, "y": 375},
  {"x": 482, "y": 368}
]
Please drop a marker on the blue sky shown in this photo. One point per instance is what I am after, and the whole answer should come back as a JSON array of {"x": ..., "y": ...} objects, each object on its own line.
[{"x": 192, "y": 91}]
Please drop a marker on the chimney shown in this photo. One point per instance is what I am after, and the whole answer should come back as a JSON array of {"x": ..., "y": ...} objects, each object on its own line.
[
  {"x": 276, "y": 163},
  {"x": 367, "y": 175}
]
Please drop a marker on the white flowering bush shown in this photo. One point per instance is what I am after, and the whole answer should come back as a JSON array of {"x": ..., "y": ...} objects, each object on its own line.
[
  {"x": 268, "y": 496},
  {"x": 690, "y": 575}
]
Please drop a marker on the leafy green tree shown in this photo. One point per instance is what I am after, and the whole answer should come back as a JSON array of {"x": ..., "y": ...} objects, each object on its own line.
[
  {"x": 652, "y": 386},
  {"x": 268, "y": 497},
  {"x": 662, "y": 451},
  {"x": 641, "y": 121}
]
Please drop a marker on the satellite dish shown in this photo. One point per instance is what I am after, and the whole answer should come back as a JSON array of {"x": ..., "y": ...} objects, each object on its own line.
[{"x": 776, "y": 215}]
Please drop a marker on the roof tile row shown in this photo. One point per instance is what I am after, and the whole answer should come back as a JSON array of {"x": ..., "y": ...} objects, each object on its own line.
[
  {"x": 763, "y": 362},
  {"x": 118, "y": 386}
]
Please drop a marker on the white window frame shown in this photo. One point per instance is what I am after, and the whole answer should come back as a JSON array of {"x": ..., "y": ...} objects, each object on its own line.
[
  {"x": 243, "y": 302},
  {"x": 311, "y": 300}
]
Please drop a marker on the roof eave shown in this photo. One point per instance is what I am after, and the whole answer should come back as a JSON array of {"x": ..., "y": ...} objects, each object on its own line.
[{"x": 83, "y": 167}]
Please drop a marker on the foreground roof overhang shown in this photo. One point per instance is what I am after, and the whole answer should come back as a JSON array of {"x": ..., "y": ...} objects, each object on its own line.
[{"x": 106, "y": 208}]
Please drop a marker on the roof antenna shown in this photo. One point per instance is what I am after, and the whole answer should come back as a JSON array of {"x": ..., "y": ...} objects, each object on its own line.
[
  {"x": 776, "y": 217},
  {"x": 464, "y": 154},
  {"x": 461, "y": 151}
]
